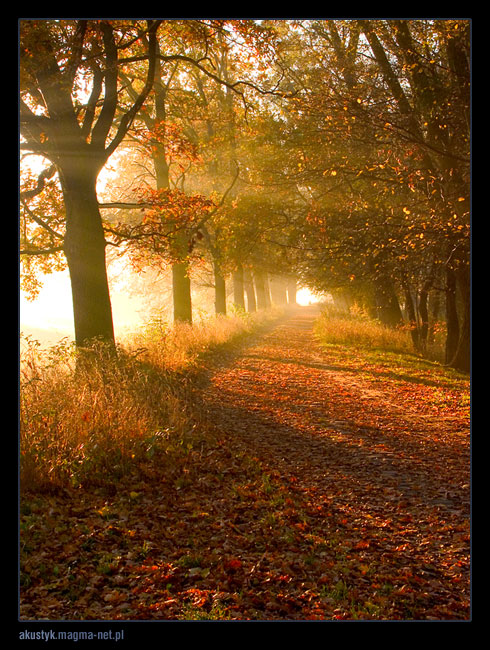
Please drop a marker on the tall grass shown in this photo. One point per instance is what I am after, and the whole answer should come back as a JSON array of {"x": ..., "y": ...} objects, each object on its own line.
[
  {"x": 181, "y": 345},
  {"x": 91, "y": 419},
  {"x": 358, "y": 330},
  {"x": 355, "y": 328}
]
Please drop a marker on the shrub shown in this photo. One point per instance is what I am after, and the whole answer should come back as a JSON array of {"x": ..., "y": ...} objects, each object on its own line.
[{"x": 86, "y": 421}]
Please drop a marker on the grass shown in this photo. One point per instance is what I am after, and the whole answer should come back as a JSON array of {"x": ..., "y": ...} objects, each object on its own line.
[
  {"x": 383, "y": 355},
  {"x": 92, "y": 422},
  {"x": 357, "y": 330}
]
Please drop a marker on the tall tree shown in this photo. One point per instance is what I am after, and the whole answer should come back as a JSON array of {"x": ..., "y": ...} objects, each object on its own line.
[
  {"x": 71, "y": 114},
  {"x": 378, "y": 149}
]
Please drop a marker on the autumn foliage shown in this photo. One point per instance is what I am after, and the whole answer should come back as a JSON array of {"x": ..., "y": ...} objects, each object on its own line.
[
  {"x": 241, "y": 488},
  {"x": 265, "y": 461}
]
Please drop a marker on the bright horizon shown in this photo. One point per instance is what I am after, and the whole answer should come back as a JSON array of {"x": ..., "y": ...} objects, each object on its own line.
[{"x": 50, "y": 315}]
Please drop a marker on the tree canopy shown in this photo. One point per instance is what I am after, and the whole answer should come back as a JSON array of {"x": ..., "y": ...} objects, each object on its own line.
[{"x": 336, "y": 152}]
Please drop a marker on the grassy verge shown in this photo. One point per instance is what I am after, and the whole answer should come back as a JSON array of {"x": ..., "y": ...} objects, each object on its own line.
[
  {"x": 91, "y": 423},
  {"x": 357, "y": 330},
  {"x": 386, "y": 357}
]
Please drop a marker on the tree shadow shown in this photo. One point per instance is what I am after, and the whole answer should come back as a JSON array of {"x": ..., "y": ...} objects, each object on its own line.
[
  {"x": 364, "y": 460},
  {"x": 355, "y": 371}
]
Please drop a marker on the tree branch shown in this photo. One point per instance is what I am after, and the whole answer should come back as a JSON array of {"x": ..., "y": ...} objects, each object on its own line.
[
  {"x": 43, "y": 251},
  {"x": 106, "y": 117},
  {"x": 128, "y": 117},
  {"x": 45, "y": 175},
  {"x": 42, "y": 223}
]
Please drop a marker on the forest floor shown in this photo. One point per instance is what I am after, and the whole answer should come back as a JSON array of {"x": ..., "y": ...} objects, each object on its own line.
[{"x": 316, "y": 483}]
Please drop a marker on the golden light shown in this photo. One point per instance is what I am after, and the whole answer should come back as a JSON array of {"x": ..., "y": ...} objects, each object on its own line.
[
  {"x": 49, "y": 317},
  {"x": 306, "y": 297}
]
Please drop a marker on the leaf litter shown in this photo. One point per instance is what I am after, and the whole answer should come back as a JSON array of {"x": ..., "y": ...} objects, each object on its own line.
[{"x": 310, "y": 493}]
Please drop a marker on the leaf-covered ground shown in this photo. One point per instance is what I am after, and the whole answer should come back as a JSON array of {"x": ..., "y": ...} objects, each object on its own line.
[{"x": 319, "y": 483}]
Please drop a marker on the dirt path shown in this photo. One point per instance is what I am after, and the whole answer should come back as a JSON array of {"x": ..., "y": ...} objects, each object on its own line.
[
  {"x": 392, "y": 479},
  {"x": 310, "y": 487}
]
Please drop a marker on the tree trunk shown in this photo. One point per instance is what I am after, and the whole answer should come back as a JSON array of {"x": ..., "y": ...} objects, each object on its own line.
[
  {"x": 181, "y": 283},
  {"x": 452, "y": 321},
  {"x": 434, "y": 306},
  {"x": 181, "y": 288},
  {"x": 412, "y": 316},
  {"x": 387, "y": 305},
  {"x": 278, "y": 290},
  {"x": 291, "y": 291},
  {"x": 248, "y": 284},
  {"x": 267, "y": 291},
  {"x": 423, "y": 306},
  {"x": 85, "y": 253},
  {"x": 260, "y": 287},
  {"x": 238, "y": 288},
  {"x": 219, "y": 291},
  {"x": 461, "y": 359}
]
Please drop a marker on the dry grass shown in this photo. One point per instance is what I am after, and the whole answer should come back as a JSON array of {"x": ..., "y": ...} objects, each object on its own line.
[
  {"x": 356, "y": 329},
  {"x": 92, "y": 421},
  {"x": 179, "y": 346}
]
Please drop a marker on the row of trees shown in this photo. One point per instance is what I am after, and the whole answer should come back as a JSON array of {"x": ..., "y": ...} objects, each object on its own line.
[{"x": 336, "y": 152}]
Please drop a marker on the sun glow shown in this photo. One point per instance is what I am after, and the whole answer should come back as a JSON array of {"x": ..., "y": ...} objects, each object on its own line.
[
  {"x": 49, "y": 317},
  {"x": 305, "y": 297}
]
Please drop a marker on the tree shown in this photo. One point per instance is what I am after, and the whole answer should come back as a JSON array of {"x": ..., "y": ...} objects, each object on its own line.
[
  {"x": 191, "y": 107},
  {"x": 434, "y": 56},
  {"x": 377, "y": 146},
  {"x": 71, "y": 114}
]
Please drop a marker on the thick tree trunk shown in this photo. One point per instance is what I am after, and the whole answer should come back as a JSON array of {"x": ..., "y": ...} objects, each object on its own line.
[
  {"x": 181, "y": 282},
  {"x": 85, "y": 253},
  {"x": 181, "y": 288}
]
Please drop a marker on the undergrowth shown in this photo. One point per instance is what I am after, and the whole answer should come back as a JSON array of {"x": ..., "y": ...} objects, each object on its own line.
[
  {"x": 381, "y": 353},
  {"x": 88, "y": 418},
  {"x": 356, "y": 329}
]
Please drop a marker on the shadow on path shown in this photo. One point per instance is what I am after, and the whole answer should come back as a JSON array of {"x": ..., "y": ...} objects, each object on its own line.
[{"x": 300, "y": 416}]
